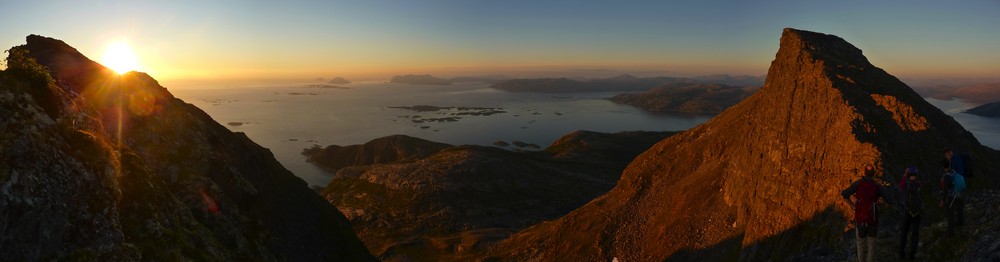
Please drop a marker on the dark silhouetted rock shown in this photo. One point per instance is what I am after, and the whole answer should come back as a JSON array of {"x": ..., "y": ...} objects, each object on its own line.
[
  {"x": 762, "y": 180},
  {"x": 987, "y": 110},
  {"x": 98, "y": 166}
]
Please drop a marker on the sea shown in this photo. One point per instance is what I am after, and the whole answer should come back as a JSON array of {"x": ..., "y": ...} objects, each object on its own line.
[{"x": 290, "y": 117}]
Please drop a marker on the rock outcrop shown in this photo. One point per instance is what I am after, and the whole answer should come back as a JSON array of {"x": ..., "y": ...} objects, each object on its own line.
[
  {"x": 987, "y": 110},
  {"x": 98, "y": 166},
  {"x": 761, "y": 180},
  {"x": 687, "y": 98},
  {"x": 454, "y": 203}
]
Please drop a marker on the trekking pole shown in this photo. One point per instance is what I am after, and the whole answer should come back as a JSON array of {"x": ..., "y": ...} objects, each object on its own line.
[{"x": 953, "y": 197}]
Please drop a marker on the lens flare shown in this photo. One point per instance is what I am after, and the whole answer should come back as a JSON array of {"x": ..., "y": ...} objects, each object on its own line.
[{"x": 119, "y": 57}]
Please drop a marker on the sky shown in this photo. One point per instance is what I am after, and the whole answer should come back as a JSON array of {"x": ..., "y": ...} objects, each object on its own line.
[{"x": 177, "y": 40}]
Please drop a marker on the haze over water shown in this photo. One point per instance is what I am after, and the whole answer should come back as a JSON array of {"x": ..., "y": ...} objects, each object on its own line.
[{"x": 288, "y": 118}]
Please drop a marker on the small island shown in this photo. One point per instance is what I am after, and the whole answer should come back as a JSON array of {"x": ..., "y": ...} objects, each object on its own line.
[
  {"x": 419, "y": 80},
  {"x": 338, "y": 80},
  {"x": 987, "y": 110}
]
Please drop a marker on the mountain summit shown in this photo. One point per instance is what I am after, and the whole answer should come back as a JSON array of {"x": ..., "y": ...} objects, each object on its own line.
[
  {"x": 761, "y": 180},
  {"x": 107, "y": 167}
]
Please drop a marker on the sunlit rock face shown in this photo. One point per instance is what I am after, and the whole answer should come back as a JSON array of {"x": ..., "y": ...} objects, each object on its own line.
[
  {"x": 761, "y": 181},
  {"x": 100, "y": 166}
]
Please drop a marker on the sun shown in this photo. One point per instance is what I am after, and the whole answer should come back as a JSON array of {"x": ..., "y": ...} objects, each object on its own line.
[{"x": 119, "y": 57}]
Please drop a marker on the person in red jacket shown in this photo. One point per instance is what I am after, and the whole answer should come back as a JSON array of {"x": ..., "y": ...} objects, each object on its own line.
[{"x": 866, "y": 193}]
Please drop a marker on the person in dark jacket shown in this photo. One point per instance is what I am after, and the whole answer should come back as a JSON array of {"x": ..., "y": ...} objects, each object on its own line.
[
  {"x": 866, "y": 193},
  {"x": 951, "y": 201},
  {"x": 911, "y": 190},
  {"x": 952, "y": 161}
]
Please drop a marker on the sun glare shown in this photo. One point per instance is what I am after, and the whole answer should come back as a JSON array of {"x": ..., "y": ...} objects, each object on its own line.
[{"x": 119, "y": 57}]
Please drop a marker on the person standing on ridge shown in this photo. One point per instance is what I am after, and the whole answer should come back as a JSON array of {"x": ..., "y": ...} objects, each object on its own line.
[
  {"x": 952, "y": 185},
  {"x": 953, "y": 162},
  {"x": 913, "y": 209},
  {"x": 866, "y": 193}
]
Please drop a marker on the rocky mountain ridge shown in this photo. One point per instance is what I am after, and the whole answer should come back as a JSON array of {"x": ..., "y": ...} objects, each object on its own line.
[
  {"x": 100, "y": 166},
  {"x": 761, "y": 180}
]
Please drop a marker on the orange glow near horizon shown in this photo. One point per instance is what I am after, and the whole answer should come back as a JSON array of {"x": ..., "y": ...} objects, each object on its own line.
[{"x": 119, "y": 57}]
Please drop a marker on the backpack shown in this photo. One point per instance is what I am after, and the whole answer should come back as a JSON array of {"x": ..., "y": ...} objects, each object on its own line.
[
  {"x": 967, "y": 164},
  {"x": 957, "y": 183},
  {"x": 866, "y": 195},
  {"x": 912, "y": 202}
]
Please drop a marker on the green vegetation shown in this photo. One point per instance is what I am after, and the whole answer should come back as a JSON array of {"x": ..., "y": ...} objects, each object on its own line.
[
  {"x": 20, "y": 63},
  {"x": 41, "y": 85}
]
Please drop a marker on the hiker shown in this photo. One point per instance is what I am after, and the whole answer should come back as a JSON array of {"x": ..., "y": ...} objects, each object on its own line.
[
  {"x": 913, "y": 202},
  {"x": 952, "y": 185},
  {"x": 866, "y": 193},
  {"x": 954, "y": 162}
]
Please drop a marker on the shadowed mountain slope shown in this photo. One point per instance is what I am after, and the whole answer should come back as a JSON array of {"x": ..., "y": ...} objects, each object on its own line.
[{"x": 454, "y": 203}]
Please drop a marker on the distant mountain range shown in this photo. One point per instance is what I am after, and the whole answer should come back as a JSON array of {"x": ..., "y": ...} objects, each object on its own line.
[
  {"x": 419, "y": 80},
  {"x": 621, "y": 83},
  {"x": 687, "y": 98},
  {"x": 974, "y": 93}
]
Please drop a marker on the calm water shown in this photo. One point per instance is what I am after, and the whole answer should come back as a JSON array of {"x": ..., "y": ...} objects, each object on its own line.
[
  {"x": 287, "y": 118},
  {"x": 986, "y": 130}
]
